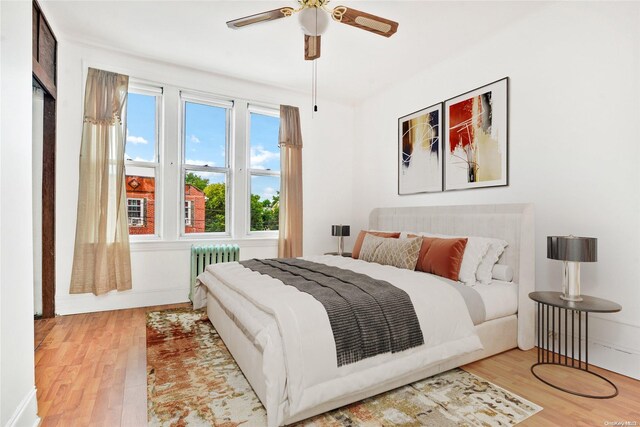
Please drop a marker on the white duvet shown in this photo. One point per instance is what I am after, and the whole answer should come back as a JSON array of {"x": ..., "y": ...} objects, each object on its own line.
[{"x": 292, "y": 330}]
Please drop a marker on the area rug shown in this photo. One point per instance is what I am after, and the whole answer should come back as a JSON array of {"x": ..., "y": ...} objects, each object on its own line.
[{"x": 192, "y": 380}]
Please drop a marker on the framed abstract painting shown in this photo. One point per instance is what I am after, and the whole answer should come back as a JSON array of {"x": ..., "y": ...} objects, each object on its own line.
[
  {"x": 476, "y": 138},
  {"x": 420, "y": 151}
]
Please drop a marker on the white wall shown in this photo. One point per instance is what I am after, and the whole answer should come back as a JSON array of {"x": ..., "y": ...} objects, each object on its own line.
[
  {"x": 17, "y": 391},
  {"x": 574, "y": 137},
  {"x": 161, "y": 269}
]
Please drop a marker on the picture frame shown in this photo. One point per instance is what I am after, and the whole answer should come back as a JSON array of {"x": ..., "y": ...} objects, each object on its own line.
[
  {"x": 476, "y": 138},
  {"x": 420, "y": 151}
]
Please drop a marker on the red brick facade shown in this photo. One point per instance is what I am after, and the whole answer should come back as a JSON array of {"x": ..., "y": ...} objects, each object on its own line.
[
  {"x": 141, "y": 207},
  {"x": 196, "y": 199},
  {"x": 141, "y": 188}
]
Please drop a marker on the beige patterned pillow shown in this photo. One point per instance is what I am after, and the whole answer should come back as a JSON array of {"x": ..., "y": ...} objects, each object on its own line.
[{"x": 401, "y": 253}]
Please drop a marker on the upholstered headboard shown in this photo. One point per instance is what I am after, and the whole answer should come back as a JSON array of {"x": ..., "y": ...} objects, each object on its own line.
[{"x": 511, "y": 222}]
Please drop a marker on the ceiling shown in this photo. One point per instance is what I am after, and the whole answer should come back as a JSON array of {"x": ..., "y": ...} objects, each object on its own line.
[{"x": 354, "y": 63}]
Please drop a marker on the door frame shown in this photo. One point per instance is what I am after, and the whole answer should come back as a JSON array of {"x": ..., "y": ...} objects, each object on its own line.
[{"x": 45, "y": 67}]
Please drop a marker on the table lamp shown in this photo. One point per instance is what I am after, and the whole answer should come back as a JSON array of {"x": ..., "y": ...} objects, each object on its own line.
[
  {"x": 572, "y": 251},
  {"x": 340, "y": 231}
]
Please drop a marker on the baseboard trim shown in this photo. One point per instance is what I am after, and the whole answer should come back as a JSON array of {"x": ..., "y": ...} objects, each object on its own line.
[
  {"x": 26, "y": 414},
  {"x": 614, "y": 359},
  {"x": 606, "y": 356},
  {"x": 89, "y": 303}
]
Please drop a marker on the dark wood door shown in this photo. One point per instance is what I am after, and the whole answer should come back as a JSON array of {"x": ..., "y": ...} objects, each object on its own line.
[{"x": 45, "y": 66}]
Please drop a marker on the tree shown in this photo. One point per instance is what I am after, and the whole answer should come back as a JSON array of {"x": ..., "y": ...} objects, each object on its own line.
[
  {"x": 265, "y": 214},
  {"x": 215, "y": 207},
  {"x": 197, "y": 181}
]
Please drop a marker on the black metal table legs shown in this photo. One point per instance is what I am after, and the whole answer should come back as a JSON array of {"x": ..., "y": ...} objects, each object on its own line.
[{"x": 548, "y": 354}]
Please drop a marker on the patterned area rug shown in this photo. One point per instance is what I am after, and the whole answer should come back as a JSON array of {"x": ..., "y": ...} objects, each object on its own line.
[{"x": 192, "y": 380}]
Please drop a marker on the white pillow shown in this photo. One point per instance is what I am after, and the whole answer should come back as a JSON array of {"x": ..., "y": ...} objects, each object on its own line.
[
  {"x": 485, "y": 269},
  {"x": 502, "y": 272},
  {"x": 474, "y": 252}
]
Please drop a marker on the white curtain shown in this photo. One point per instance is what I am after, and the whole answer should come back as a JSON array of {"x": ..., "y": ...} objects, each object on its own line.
[
  {"x": 101, "y": 260},
  {"x": 290, "y": 240}
]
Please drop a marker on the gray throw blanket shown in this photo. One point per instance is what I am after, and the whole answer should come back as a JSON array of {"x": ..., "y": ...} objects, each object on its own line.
[{"x": 367, "y": 316}]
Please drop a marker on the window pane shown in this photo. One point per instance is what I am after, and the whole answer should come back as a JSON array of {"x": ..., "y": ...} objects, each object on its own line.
[
  {"x": 205, "y": 202},
  {"x": 205, "y": 135},
  {"x": 265, "y": 153},
  {"x": 140, "y": 185},
  {"x": 265, "y": 202},
  {"x": 141, "y": 128}
]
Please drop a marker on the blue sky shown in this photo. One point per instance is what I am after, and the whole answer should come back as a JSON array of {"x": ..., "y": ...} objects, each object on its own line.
[
  {"x": 265, "y": 154},
  {"x": 205, "y": 139},
  {"x": 141, "y": 126}
]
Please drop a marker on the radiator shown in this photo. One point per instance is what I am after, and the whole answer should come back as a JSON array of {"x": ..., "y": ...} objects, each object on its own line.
[{"x": 202, "y": 256}]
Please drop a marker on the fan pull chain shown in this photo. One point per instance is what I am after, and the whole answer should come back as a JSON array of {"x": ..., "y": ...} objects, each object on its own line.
[
  {"x": 314, "y": 84},
  {"x": 314, "y": 76}
]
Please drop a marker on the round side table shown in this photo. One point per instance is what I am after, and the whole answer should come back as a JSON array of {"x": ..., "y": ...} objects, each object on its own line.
[{"x": 566, "y": 316}]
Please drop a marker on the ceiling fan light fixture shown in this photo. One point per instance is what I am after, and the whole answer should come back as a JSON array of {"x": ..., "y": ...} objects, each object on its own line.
[{"x": 313, "y": 21}]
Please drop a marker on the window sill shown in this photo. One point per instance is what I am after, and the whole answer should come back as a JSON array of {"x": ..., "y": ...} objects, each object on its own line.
[{"x": 186, "y": 243}]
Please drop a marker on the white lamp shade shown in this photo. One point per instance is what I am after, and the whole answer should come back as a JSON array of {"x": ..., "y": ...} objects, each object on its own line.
[{"x": 313, "y": 21}]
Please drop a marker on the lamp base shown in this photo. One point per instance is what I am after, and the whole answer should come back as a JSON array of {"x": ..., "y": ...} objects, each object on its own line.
[
  {"x": 573, "y": 298},
  {"x": 571, "y": 281}
]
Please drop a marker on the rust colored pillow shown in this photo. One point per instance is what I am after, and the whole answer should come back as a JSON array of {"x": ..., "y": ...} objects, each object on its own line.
[
  {"x": 355, "y": 253},
  {"x": 442, "y": 257}
]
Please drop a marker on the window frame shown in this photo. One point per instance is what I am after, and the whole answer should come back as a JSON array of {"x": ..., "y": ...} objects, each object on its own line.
[
  {"x": 213, "y": 101},
  {"x": 265, "y": 111},
  {"x": 142, "y": 87}
]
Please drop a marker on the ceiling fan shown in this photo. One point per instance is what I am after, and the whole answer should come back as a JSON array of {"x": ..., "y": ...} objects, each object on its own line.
[{"x": 314, "y": 20}]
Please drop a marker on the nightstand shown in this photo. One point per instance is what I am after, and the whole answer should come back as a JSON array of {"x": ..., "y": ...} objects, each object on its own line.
[
  {"x": 555, "y": 315},
  {"x": 345, "y": 254}
]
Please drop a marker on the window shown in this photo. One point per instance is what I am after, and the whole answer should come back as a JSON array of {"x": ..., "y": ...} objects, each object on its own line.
[
  {"x": 135, "y": 212},
  {"x": 141, "y": 157},
  {"x": 188, "y": 213},
  {"x": 264, "y": 169},
  {"x": 205, "y": 165}
]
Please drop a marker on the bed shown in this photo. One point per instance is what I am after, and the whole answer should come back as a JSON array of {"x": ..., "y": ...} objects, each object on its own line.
[{"x": 282, "y": 341}]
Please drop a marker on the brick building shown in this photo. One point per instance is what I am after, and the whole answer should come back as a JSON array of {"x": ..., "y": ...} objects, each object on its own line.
[
  {"x": 141, "y": 209},
  {"x": 194, "y": 203}
]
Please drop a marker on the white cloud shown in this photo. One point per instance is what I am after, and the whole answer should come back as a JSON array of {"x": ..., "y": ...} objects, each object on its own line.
[
  {"x": 136, "y": 139},
  {"x": 268, "y": 193},
  {"x": 194, "y": 139},
  {"x": 259, "y": 156}
]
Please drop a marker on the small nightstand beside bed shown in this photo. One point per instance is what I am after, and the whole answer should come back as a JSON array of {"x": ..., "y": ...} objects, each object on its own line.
[{"x": 300, "y": 352}]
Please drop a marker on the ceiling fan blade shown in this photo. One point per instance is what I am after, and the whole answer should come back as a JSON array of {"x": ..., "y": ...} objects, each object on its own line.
[
  {"x": 366, "y": 21},
  {"x": 260, "y": 17},
  {"x": 311, "y": 47}
]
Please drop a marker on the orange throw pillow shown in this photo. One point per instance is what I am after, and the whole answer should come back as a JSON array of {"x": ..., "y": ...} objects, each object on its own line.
[
  {"x": 442, "y": 257},
  {"x": 355, "y": 253}
]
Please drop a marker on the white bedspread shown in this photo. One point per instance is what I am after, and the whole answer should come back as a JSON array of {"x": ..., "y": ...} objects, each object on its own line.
[{"x": 292, "y": 330}]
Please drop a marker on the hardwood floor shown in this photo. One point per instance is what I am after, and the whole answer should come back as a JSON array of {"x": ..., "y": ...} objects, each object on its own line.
[
  {"x": 91, "y": 371},
  {"x": 511, "y": 370}
]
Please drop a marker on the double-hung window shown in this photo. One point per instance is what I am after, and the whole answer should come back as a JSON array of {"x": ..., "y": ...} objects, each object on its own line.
[
  {"x": 205, "y": 164},
  {"x": 135, "y": 212},
  {"x": 264, "y": 169},
  {"x": 142, "y": 159}
]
